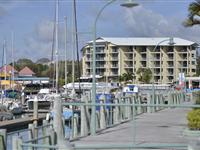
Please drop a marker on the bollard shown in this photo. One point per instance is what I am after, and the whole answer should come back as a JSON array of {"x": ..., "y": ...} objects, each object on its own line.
[
  {"x": 3, "y": 139},
  {"x": 16, "y": 143},
  {"x": 57, "y": 123},
  {"x": 102, "y": 116}
]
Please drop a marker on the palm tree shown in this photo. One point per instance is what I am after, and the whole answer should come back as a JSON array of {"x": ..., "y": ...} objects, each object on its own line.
[
  {"x": 194, "y": 14},
  {"x": 126, "y": 77},
  {"x": 145, "y": 75}
]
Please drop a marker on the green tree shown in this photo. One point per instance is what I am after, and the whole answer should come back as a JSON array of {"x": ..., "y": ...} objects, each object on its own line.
[
  {"x": 145, "y": 75},
  {"x": 194, "y": 14},
  {"x": 126, "y": 77}
]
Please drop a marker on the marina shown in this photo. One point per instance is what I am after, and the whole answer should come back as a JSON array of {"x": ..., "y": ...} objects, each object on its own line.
[{"x": 75, "y": 75}]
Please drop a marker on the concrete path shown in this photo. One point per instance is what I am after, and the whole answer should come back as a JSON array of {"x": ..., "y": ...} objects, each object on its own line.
[{"x": 165, "y": 126}]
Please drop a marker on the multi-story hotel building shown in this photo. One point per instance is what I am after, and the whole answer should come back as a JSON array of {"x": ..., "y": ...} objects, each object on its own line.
[{"x": 115, "y": 56}]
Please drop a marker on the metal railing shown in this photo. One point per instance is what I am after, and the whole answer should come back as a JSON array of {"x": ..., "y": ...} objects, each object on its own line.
[{"x": 120, "y": 110}]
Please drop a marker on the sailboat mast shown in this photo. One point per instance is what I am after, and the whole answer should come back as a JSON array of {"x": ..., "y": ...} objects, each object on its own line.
[
  {"x": 76, "y": 44},
  {"x": 56, "y": 44},
  {"x": 65, "y": 53},
  {"x": 5, "y": 68},
  {"x": 13, "y": 65},
  {"x": 73, "y": 48}
]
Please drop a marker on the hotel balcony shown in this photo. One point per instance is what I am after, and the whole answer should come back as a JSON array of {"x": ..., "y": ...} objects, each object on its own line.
[
  {"x": 114, "y": 50},
  {"x": 100, "y": 66},
  {"x": 114, "y": 66},
  {"x": 100, "y": 52},
  {"x": 156, "y": 74},
  {"x": 114, "y": 74},
  {"x": 114, "y": 59},
  {"x": 128, "y": 66},
  {"x": 100, "y": 59}
]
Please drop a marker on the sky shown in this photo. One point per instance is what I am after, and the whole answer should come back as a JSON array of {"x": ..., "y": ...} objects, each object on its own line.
[{"x": 31, "y": 23}]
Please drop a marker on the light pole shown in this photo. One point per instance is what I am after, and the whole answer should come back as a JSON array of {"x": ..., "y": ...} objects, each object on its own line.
[
  {"x": 171, "y": 43},
  {"x": 129, "y": 4}
]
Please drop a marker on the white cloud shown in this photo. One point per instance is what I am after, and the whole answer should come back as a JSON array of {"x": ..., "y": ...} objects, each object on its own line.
[{"x": 144, "y": 22}]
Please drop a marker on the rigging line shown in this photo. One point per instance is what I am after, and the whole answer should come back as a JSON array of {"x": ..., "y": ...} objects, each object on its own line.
[{"x": 77, "y": 48}]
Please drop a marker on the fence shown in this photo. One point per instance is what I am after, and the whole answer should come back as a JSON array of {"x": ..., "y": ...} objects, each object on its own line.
[{"x": 111, "y": 114}]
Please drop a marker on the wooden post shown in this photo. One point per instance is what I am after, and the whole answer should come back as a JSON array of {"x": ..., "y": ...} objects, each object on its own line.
[
  {"x": 35, "y": 116},
  {"x": 3, "y": 139}
]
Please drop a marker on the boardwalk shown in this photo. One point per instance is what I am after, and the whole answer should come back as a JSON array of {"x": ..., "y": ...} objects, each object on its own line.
[{"x": 165, "y": 126}]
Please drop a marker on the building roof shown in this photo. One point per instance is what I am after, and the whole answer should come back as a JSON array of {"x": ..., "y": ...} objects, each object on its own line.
[
  {"x": 143, "y": 41},
  {"x": 8, "y": 69},
  {"x": 26, "y": 71}
]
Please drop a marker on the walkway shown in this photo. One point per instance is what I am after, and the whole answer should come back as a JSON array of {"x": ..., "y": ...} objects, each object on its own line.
[{"x": 165, "y": 126}]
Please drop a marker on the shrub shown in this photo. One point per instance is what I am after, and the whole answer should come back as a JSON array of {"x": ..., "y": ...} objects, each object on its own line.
[{"x": 193, "y": 118}]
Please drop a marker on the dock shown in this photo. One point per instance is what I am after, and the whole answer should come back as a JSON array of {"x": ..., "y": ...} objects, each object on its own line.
[{"x": 21, "y": 123}]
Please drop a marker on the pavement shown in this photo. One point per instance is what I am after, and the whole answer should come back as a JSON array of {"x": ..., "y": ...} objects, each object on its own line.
[{"x": 163, "y": 127}]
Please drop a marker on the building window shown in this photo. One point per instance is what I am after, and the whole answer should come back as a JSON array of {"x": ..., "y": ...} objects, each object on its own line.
[
  {"x": 193, "y": 62},
  {"x": 192, "y": 55},
  {"x": 193, "y": 70}
]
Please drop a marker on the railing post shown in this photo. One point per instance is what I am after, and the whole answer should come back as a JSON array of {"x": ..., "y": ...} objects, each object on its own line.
[
  {"x": 84, "y": 125},
  {"x": 158, "y": 97},
  {"x": 97, "y": 119},
  {"x": 133, "y": 107},
  {"x": 139, "y": 108},
  {"x": 153, "y": 102},
  {"x": 44, "y": 131},
  {"x": 102, "y": 115},
  {"x": 16, "y": 143},
  {"x": 129, "y": 108},
  {"x": 148, "y": 103},
  {"x": 75, "y": 131},
  {"x": 3, "y": 139},
  {"x": 116, "y": 113},
  {"x": 30, "y": 134},
  {"x": 58, "y": 124}
]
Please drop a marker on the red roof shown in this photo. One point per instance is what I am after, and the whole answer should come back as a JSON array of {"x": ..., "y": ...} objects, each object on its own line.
[
  {"x": 26, "y": 71},
  {"x": 8, "y": 68}
]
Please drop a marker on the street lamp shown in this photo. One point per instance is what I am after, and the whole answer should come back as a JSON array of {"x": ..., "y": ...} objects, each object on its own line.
[
  {"x": 171, "y": 43},
  {"x": 128, "y": 4}
]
